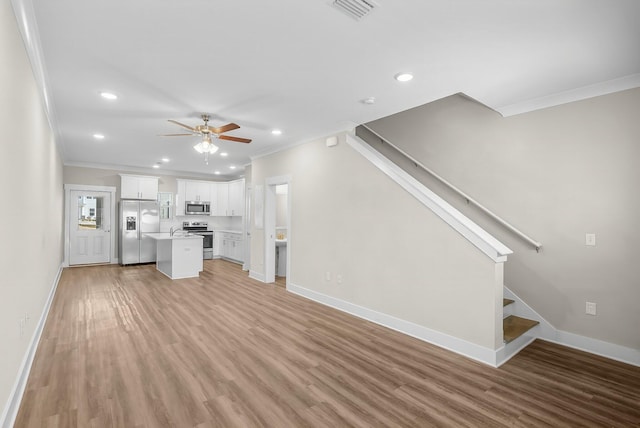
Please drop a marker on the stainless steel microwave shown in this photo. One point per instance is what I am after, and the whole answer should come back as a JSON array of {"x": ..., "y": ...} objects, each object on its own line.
[{"x": 197, "y": 208}]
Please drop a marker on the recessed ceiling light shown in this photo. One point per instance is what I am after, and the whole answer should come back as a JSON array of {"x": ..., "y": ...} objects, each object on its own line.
[
  {"x": 224, "y": 154},
  {"x": 108, "y": 95},
  {"x": 156, "y": 166},
  {"x": 216, "y": 172},
  {"x": 98, "y": 136},
  {"x": 276, "y": 132},
  {"x": 232, "y": 167},
  {"x": 403, "y": 77},
  {"x": 165, "y": 160}
]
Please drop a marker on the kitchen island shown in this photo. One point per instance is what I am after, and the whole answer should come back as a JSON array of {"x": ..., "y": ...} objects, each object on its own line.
[{"x": 179, "y": 255}]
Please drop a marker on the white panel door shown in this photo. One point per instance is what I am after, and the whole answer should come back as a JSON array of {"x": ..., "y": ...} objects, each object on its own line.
[{"x": 89, "y": 227}]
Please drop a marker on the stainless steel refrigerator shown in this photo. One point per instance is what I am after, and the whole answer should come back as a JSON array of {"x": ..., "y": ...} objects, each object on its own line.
[{"x": 136, "y": 219}]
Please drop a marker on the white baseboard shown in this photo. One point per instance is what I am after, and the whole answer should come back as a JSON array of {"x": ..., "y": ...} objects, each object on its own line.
[
  {"x": 583, "y": 343},
  {"x": 15, "y": 397},
  {"x": 454, "y": 344},
  {"x": 598, "y": 347},
  {"x": 258, "y": 276}
]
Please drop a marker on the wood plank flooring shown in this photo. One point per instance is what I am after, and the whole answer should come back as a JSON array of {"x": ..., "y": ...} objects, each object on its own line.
[{"x": 127, "y": 347}]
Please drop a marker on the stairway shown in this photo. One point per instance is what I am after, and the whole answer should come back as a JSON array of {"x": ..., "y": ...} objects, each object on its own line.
[{"x": 514, "y": 326}]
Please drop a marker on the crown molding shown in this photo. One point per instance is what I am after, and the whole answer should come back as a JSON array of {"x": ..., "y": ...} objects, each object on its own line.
[{"x": 578, "y": 94}]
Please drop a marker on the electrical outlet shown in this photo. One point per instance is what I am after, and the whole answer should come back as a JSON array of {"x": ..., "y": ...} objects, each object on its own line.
[
  {"x": 339, "y": 278},
  {"x": 590, "y": 239},
  {"x": 591, "y": 308}
]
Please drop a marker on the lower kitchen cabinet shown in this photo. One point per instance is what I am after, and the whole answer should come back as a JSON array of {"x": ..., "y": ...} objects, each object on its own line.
[{"x": 230, "y": 246}]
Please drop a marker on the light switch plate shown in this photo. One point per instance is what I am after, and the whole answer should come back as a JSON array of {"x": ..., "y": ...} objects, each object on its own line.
[
  {"x": 591, "y": 308},
  {"x": 590, "y": 240}
]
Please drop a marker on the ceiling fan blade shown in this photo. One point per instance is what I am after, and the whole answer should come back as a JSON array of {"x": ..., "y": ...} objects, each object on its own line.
[
  {"x": 236, "y": 139},
  {"x": 226, "y": 128},
  {"x": 175, "y": 135},
  {"x": 183, "y": 125}
]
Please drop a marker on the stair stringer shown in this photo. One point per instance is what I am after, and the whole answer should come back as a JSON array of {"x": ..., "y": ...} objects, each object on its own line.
[{"x": 544, "y": 330}]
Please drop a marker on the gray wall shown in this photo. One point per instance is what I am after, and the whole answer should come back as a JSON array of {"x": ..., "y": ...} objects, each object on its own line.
[
  {"x": 556, "y": 174},
  {"x": 394, "y": 255},
  {"x": 31, "y": 249}
]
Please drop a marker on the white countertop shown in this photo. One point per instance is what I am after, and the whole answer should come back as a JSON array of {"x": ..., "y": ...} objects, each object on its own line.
[
  {"x": 160, "y": 236},
  {"x": 227, "y": 231}
]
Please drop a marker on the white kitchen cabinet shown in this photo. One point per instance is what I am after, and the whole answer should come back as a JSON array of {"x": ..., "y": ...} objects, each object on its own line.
[
  {"x": 180, "y": 197},
  {"x": 138, "y": 187},
  {"x": 223, "y": 199},
  {"x": 197, "y": 191},
  {"x": 232, "y": 246},
  {"x": 230, "y": 198},
  {"x": 236, "y": 198}
]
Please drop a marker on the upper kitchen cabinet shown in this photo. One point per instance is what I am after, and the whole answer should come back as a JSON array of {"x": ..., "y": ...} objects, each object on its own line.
[
  {"x": 197, "y": 191},
  {"x": 236, "y": 198},
  {"x": 230, "y": 198},
  {"x": 138, "y": 187},
  {"x": 222, "y": 207}
]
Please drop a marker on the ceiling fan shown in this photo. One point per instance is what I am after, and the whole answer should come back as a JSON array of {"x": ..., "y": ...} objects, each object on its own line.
[{"x": 207, "y": 132}]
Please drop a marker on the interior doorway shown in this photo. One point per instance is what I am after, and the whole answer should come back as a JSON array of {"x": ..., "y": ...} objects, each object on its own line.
[{"x": 277, "y": 229}]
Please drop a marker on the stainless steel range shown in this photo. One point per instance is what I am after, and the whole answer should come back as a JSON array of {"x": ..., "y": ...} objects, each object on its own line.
[{"x": 200, "y": 228}]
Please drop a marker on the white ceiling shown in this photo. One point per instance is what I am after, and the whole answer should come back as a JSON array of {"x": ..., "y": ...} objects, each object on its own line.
[{"x": 304, "y": 67}]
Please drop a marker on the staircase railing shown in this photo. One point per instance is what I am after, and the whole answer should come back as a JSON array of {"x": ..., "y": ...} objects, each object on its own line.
[{"x": 537, "y": 245}]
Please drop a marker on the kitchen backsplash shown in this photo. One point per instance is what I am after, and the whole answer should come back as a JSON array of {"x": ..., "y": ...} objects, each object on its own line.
[{"x": 215, "y": 223}]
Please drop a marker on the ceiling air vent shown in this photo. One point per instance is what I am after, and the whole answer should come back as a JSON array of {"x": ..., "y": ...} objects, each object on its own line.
[{"x": 356, "y": 9}]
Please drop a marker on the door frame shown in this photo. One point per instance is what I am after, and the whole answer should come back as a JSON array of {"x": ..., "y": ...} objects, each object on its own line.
[
  {"x": 113, "y": 258},
  {"x": 248, "y": 206},
  {"x": 270, "y": 227}
]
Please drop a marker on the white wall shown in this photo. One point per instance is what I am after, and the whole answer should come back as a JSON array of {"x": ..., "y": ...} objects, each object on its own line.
[
  {"x": 557, "y": 174},
  {"x": 32, "y": 209},
  {"x": 394, "y": 255}
]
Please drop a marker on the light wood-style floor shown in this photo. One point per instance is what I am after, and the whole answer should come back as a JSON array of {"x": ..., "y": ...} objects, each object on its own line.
[{"x": 126, "y": 347}]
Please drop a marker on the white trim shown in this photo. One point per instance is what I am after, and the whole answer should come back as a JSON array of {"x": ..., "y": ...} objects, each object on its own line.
[
  {"x": 347, "y": 127},
  {"x": 511, "y": 349},
  {"x": 489, "y": 245},
  {"x": 258, "y": 276},
  {"x": 270, "y": 184},
  {"x": 451, "y": 343},
  {"x": 546, "y": 331},
  {"x": 114, "y": 220},
  {"x": 15, "y": 397},
  {"x": 28, "y": 25},
  {"x": 132, "y": 170},
  {"x": 598, "y": 347},
  {"x": 585, "y": 92},
  {"x": 537, "y": 245}
]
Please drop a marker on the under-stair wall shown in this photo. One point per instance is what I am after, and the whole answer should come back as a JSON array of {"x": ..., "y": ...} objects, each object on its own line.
[
  {"x": 362, "y": 244},
  {"x": 556, "y": 174}
]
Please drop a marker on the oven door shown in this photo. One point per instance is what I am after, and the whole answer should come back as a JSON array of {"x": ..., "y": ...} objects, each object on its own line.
[{"x": 207, "y": 244}]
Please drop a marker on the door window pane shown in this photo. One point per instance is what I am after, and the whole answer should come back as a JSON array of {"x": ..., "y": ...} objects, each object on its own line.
[{"x": 90, "y": 212}]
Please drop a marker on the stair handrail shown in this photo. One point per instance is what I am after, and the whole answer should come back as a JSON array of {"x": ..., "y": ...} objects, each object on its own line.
[{"x": 537, "y": 245}]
